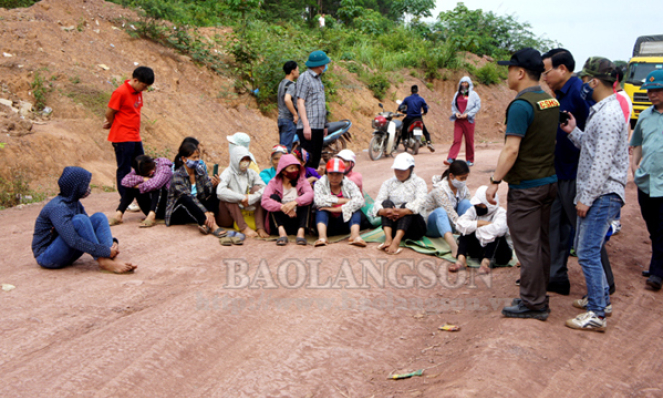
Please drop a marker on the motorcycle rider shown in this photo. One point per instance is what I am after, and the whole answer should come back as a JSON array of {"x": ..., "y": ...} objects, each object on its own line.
[{"x": 414, "y": 104}]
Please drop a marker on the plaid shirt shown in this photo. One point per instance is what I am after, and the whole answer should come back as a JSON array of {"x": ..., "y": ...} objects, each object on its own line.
[
  {"x": 180, "y": 185},
  {"x": 311, "y": 90}
]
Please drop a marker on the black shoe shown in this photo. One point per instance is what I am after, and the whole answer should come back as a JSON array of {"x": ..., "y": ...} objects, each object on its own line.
[
  {"x": 654, "y": 282},
  {"x": 560, "y": 287},
  {"x": 646, "y": 274},
  {"x": 516, "y": 301},
  {"x": 521, "y": 311},
  {"x": 518, "y": 282}
]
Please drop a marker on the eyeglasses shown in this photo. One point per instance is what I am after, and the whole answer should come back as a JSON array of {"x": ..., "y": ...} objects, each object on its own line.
[{"x": 545, "y": 73}]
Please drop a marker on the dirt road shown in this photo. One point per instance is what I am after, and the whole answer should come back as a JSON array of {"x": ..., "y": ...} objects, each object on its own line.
[{"x": 176, "y": 328}]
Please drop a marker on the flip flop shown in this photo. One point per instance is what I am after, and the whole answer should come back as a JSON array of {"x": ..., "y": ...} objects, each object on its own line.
[
  {"x": 225, "y": 241},
  {"x": 204, "y": 229},
  {"x": 456, "y": 269},
  {"x": 236, "y": 240},
  {"x": 282, "y": 241},
  {"x": 301, "y": 241},
  {"x": 320, "y": 242},
  {"x": 220, "y": 232},
  {"x": 400, "y": 249},
  {"x": 114, "y": 221},
  {"x": 359, "y": 242},
  {"x": 148, "y": 224},
  {"x": 381, "y": 247}
]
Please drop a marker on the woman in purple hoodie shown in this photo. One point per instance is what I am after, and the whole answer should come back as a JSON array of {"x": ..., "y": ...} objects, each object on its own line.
[{"x": 288, "y": 199}]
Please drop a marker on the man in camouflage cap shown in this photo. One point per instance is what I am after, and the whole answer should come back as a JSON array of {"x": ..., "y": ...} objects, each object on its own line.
[{"x": 601, "y": 181}]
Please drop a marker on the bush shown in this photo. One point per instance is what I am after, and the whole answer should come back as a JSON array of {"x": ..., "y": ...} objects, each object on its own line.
[
  {"x": 16, "y": 191},
  {"x": 379, "y": 84},
  {"x": 488, "y": 74}
]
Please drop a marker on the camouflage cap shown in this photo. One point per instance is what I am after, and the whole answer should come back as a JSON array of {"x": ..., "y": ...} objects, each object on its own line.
[{"x": 599, "y": 68}]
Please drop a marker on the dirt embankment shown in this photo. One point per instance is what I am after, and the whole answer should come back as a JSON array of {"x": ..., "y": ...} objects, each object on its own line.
[{"x": 81, "y": 51}]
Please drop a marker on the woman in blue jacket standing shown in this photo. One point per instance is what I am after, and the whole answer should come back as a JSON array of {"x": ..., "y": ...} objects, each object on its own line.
[{"x": 64, "y": 232}]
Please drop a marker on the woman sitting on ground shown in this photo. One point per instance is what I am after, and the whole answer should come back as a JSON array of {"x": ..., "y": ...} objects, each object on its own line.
[
  {"x": 349, "y": 159},
  {"x": 288, "y": 199},
  {"x": 448, "y": 200},
  {"x": 64, "y": 232},
  {"x": 400, "y": 203},
  {"x": 148, "y": 183},
  {"x": 277, "y": 152},
  {"x": 191, "y": 196},
  {"x": 311, "y": 174},
  {"x": 339, "y": 202},
  {"x": 239, "y": 192},
  {"x": 483, "y": 234}
]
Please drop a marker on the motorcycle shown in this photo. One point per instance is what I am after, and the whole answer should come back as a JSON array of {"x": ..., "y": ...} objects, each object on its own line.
[
  {"x": 338, "y": 135},
  {"x": 388, "y": 132}
]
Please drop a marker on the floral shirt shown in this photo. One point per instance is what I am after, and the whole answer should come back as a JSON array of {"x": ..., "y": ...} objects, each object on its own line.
[
  {"x": 411, "y": 192},
  {"x": 325, "y": 198},
  {"x": 604, "y": 161}
]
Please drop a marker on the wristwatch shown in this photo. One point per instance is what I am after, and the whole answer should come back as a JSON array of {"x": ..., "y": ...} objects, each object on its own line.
[{"x": 494, "y": 181}]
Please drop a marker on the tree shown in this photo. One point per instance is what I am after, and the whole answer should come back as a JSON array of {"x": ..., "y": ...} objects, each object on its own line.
[{"x": 417, "y": 8}]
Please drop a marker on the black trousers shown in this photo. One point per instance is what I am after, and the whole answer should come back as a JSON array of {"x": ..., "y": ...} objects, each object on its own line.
[
  {"x": 312, "y": 146},
  {"x": 149, "y": 201},
  {"x": 652, "y": 212},
  {"x": 125, "y": 153},
  {"x": 497, "y": 251},
  {"x": 291, "y": 225},
  {"x": 406, "y": 124},
  {"x": 187, "y": 211},
  {"x": 414, "y": 225}
]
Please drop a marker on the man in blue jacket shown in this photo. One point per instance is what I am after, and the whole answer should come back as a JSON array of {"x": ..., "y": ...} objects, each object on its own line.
[
  {"x": 415, "y": 104},
  {"x": 64, "y": 232}
]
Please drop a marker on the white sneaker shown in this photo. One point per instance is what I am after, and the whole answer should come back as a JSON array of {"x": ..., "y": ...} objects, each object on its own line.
[
  {"x": 133, "y": 208},
  {"x": 587, "y": 321},
  {"x": 616, "y": 226},
  {"x": 582, "y": 304}
]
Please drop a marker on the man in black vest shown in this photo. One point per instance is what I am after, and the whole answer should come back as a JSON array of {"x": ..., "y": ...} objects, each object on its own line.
[{"x": 527, "y": 163}]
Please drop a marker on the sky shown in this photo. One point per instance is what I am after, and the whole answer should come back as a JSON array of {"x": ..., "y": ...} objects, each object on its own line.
[{"x": 605, "y": 28}]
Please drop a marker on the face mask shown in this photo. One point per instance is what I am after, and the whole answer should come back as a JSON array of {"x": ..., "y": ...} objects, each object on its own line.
[
  {"x": 192, "y": 164},
  {"x": 586, "y": 92},
  {"x": 87, "y": 193},
  {"x": 243, "y": 166},
  {"x": 326, "y": 68},
  {"x": 458, "y": 184},
  {"x": 481, "y": 211},
  {"x": 291, "y": 175},
  {"x": 464, "y": 91}
]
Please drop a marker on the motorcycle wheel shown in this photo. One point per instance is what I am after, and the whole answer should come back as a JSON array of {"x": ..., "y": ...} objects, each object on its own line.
[
  {"x": 415, "y": 148},
  {"x": 376, "y": 147}
]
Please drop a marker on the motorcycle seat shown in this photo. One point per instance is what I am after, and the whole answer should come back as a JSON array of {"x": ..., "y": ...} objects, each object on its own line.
[
  {"x": 398, "y": 123},
  {"x": 335, "y": 126}
]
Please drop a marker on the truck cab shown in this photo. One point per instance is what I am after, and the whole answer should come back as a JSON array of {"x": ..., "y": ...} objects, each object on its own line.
[{"x": 647, "y": 57}]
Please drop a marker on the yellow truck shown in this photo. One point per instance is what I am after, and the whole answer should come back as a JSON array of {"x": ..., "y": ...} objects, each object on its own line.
[{"x": 647, "y": 57}]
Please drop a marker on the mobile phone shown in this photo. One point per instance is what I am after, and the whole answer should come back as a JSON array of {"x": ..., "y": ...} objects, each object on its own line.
[
  {"x": 215, "y": 171},
  {"x": 563, "y": 117}
]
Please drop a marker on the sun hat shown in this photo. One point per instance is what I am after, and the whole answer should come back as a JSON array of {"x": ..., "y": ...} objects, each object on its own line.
[
  {"x": 317, "y": 58},
  {"x": 403, "y": 162}
]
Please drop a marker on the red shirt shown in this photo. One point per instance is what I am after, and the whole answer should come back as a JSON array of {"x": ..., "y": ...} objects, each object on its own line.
[
  {"x": 462, "y": 103},
  {"x": 126, "y": 125}
]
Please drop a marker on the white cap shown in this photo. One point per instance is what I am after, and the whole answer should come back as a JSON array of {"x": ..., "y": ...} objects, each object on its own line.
[
  {"x": 241, "y": 139},
  {"x": 347, "y": 155},
  {"x": 403, "y": 161}
]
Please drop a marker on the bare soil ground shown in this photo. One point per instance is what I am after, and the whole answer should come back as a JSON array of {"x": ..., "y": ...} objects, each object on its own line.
[{"x": 174, "y": 328}]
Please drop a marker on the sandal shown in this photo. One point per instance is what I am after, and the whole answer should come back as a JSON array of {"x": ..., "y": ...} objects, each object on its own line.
[
  {"x": 225, "y": 241},
  {"x": 114, "y": 221},
  {"x": 204, "y": 229},
  {"x": 220, "y": 232},
  {"x": 455, "y": 268},
  {"x": 320, "y": 242},
  {"x": 400, "y": 249},
  {"x": 382, "y": 247},
  {"x": 147, "y": 224},
  {"x": 301, "y": 241},
  {"x": 236, "y": 240},
  {"x": 358, "y": 241},
  {"x": 282, "y": 241}
]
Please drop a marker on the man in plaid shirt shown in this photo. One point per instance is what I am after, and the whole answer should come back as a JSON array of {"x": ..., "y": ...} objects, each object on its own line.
[{"x": 311, "y": 128}]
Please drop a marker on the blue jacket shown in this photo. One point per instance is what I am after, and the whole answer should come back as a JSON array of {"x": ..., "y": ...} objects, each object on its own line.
[
  {"x": 414, "y": 105},
  {"x": 567, "y": 155},
  {"x": 55, "y": 219}
]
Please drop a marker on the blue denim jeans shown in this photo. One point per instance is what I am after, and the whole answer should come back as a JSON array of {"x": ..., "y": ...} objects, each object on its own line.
[
  {"x": 94, "y": 229},
  {"x": 287, "y": 130},
  {"x": 335, "y": 225},
  {"x": 439, "y": 223},
  {"x": 589, "y": 240}
]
